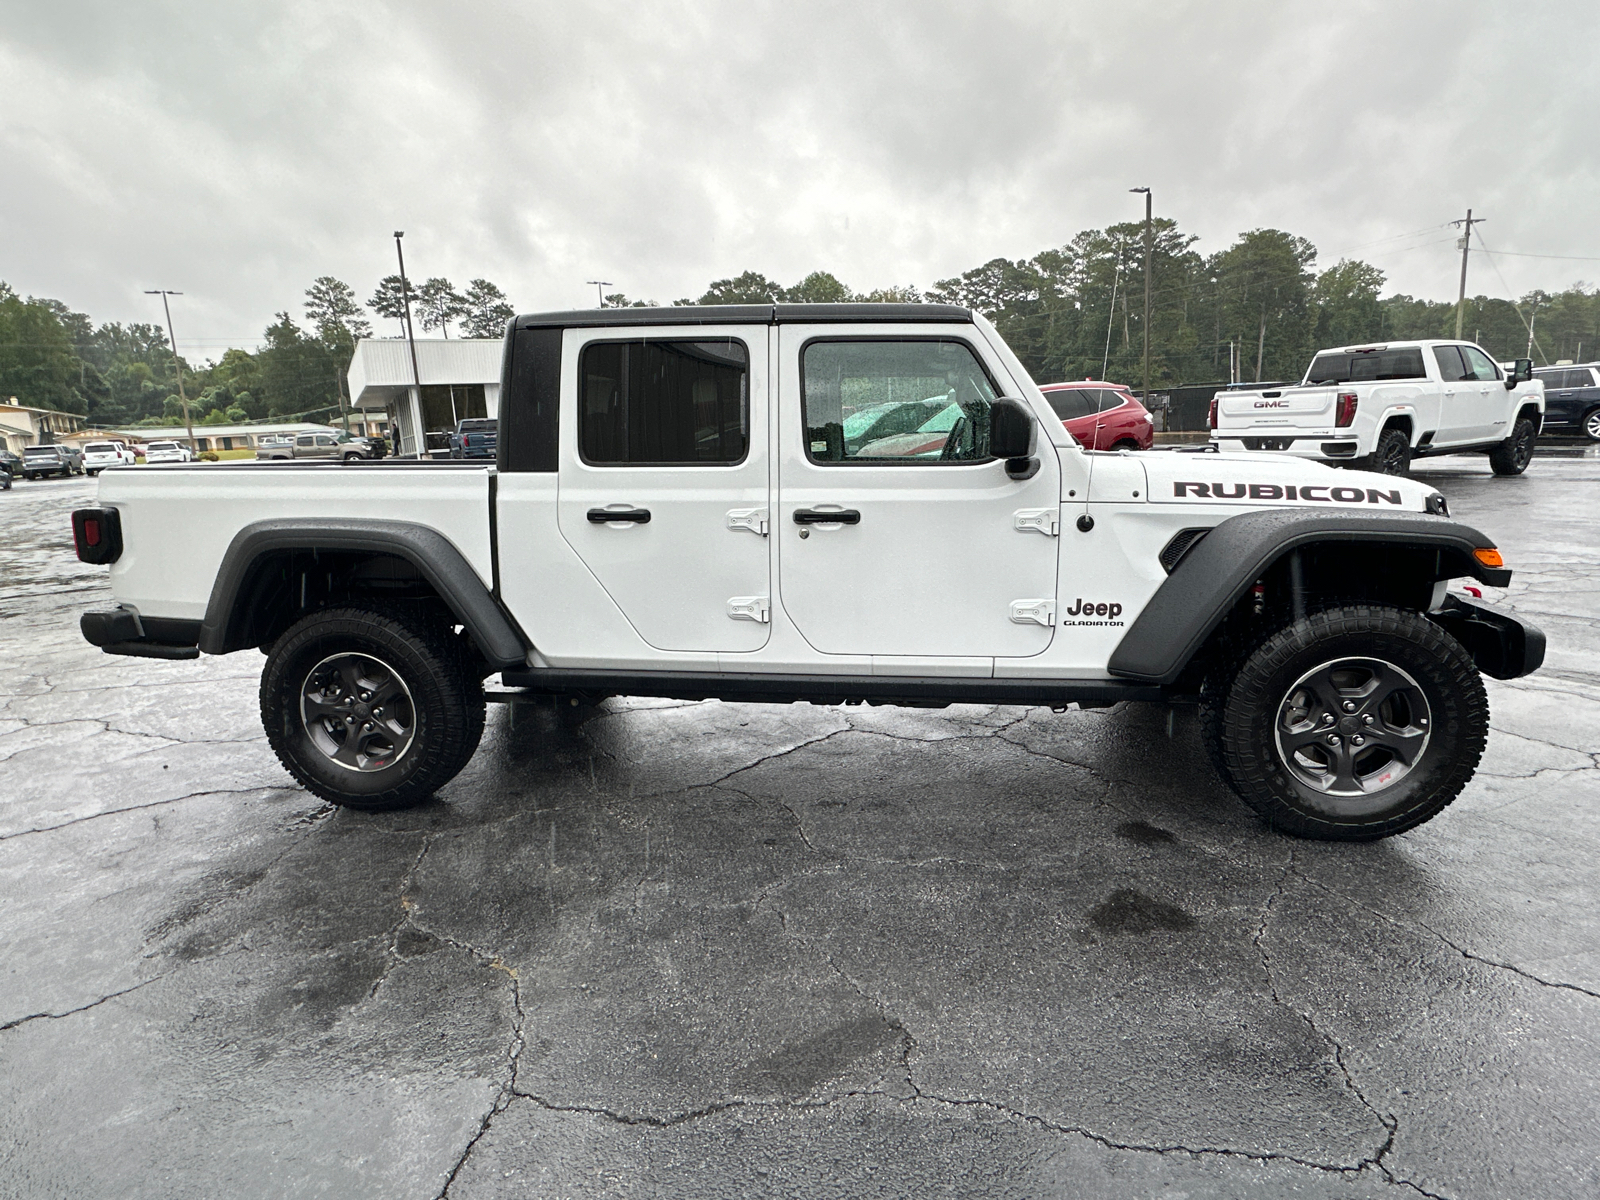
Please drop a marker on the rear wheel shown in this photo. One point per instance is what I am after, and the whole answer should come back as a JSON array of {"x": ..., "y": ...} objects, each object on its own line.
[
  {"x": 1391, "y": 455},
  {"x": 1512, "y": 456},
  {"x": 1591, "y": 424},
  {"x": 1352, "y": 724},
  {"x": 371, "y": 709}
]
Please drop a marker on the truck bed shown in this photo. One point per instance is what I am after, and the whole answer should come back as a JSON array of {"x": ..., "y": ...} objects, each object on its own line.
[{"x": 178, "y": 519}]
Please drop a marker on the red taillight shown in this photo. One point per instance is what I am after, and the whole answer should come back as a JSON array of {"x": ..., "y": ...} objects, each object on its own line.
[
  {"x": 1345, "y": 411},
  {"x": 97, "y": 535},
  {"x": 1211, "y": 416}
]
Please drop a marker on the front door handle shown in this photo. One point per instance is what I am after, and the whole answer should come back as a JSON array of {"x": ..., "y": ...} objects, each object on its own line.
[
  {"x": 601, "y": 516},
  {"x": 838, "y": 516}
]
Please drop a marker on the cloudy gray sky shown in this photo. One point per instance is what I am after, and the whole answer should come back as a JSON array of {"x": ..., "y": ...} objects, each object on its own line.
[{"x": 236, "y": 151}]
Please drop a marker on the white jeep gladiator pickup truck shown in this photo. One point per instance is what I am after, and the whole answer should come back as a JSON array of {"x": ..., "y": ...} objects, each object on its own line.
[
  {"x": 1378, "y": 407},
  {"x": 675, "y": 510}
]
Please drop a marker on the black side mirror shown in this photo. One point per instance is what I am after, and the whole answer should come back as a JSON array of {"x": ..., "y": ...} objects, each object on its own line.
[
  {"x": 1521, "y": 372},
  {"x": 1010, "y": 429}
]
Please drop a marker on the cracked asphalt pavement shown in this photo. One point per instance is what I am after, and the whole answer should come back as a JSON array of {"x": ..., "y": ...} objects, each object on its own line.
[{"x": 668, "y": 949}]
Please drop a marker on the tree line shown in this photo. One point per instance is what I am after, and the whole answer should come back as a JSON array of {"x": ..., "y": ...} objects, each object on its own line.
[
  {"x": 122, "y": 375},
  {"x": 1077, "y": 311},
  {"x": 1069, "y": 312}
]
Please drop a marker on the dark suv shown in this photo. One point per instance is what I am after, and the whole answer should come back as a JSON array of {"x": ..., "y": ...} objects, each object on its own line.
[
  {"x": 39, "y": 461},
  {"x": 1572, "y": 399}
]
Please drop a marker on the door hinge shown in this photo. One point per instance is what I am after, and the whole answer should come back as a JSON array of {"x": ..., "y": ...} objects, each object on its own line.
[
  {"x": 753, "y": 519},
  {"x": 1042, "y": 520},
  {"x": 1034, "y": 612},
  {"x": 750, "y": 608}
]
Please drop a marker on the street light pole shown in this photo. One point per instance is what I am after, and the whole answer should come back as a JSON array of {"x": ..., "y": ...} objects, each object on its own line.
[
  {"x": 1147, "y": 198},
  {"x": 411, "y": 341},
  {"x": 177, "y": 364},
  {"x": 599, "y": 286}
]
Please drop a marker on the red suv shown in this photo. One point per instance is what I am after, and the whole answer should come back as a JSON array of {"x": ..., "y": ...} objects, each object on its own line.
[{"x": 1101, "y": 415}]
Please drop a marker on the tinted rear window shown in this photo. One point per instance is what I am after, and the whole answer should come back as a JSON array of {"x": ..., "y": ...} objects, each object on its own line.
[
  {"x": 40, "y": 451},
  {"x": 1071, "y": 403},
  {"x": 478, "y": 426},
  {"x": 1363, "y": 365},
  {"x": 650, "y": 402},
  {"x": 99, "y": 448}
]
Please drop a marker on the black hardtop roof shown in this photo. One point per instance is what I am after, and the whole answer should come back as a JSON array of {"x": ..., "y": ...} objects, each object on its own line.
[{"x": 750, "y": 314}]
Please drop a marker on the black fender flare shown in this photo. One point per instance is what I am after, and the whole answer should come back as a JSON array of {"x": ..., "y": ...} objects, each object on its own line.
[
  {"x": 1212, "y": 577},
  {"x": 436, "y": 558}
]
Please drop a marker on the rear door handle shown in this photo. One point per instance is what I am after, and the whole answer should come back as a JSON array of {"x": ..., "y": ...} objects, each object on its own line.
[
  {"x": 838, "y": 516},
  {"x": 601, "y": 516}
]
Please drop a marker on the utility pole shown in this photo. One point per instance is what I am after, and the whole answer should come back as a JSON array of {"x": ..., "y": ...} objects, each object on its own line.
[
  {"x": 177, "y": 364},
  {"x": 1465, "y": 243},
  {"x": 1147, "y": 198},
  {"x": 411, "y": 340},
  {"x": 1112, "y": 315},
  {"x": 599, "y": 291},
  {"x": 1533, "y": 317}
]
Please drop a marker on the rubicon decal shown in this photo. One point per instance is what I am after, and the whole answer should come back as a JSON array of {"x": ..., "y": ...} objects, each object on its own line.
[
  {"x": 1089, "y": 612},
  {"x": 1319, "y": 492}
]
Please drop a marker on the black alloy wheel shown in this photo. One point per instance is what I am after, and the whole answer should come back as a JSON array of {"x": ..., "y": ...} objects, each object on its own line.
[
  {"x": 1512, "y": 456},
  {"x": 1351, "y": 724},
  {"x": 371, "y": 708},
  {"x": 1392, "y": 454},
  {"x": 1591, "y": 424}
]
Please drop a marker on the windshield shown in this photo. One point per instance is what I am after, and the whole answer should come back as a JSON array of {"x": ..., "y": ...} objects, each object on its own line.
[{"x": 1356, "y": 366}]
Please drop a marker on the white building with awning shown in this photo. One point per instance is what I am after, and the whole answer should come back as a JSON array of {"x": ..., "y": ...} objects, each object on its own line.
[{"x": 453, "y": 379}]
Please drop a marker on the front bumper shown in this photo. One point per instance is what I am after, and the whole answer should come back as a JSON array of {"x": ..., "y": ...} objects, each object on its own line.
[{"x": 1502, "y": 644}]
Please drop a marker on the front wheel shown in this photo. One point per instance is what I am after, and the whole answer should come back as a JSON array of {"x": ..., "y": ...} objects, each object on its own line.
[
  {"x": 1512, "y": 456},
  {"x": 1352, "y": 724},
  {"x": 371, "y": 709}
]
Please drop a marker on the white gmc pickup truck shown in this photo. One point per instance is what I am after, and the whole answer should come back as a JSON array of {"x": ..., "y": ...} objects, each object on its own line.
[
  {"x": 675, "y": 510},
  {"x": 1378, "y": 407}
]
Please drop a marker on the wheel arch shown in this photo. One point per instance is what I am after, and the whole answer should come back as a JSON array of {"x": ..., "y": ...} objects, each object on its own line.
[
  {"x": 1388, "y": 558},
  {"x": 276, "y": 571},
  {"x": 1533, "y": 413},
  {"x": 1399, "y": 420}
]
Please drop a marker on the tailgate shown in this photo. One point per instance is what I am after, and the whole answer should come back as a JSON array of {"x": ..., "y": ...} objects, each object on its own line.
[{"x": 1276, "y": 408}]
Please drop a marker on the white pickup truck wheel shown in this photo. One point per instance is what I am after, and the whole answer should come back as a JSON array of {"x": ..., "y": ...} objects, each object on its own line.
[
  {"x": 370, "y": 709},
  {"x": 1512, "y": 456},
  {"x": 1353, "y": 723},
  {"x": 1392, "y": 454}
]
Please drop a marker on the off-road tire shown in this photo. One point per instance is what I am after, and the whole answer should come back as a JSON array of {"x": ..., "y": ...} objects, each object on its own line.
[
  {"x": 445, "y": 696},
  {"x": 1453, "y": 708},
  {"x": 1391, "y": 455},
  {"x": 1591, "y": 424},
  {"x": 1512, "y": 456}
]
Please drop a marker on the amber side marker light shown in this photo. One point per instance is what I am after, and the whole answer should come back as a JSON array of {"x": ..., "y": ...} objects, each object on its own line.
[{"x": 1489, "y": 558}]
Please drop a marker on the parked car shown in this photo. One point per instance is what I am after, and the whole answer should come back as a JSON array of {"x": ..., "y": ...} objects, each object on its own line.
[
  {"x": 1572, "y": 399},
  {"x": 10, "y": 464},
  {"x": 97, "y": 456},
  {"x": 340, "y": 446},
  {"x": 1101, "y": 415},
  {"x": 659, "y": 489},
  {"x": 160, "y": 452},
  {"x": 1378, "y": 407},
  {"x": 475, "y": 437},
  {"x": 57, "y": 459}
]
